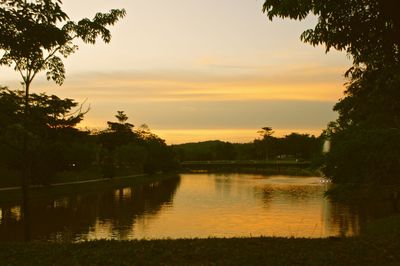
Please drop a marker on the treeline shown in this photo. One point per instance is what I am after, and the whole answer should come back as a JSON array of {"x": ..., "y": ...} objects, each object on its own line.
[
  {"x": 53, "y": 144},
  {"x": 290, "y": 147}
]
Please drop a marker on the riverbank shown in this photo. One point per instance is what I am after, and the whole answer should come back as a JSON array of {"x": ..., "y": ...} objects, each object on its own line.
[
  {"x": 12, "y": 178},
  {"x": 378, "y": 246},
  {"x": 275, "y": 167},
  {"x": 14, "y": 194},
  {"x": 268, "y": 172}
]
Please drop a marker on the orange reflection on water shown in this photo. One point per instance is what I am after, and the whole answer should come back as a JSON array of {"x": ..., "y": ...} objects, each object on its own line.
[
  {"x": 247, "y": 205},
  {"x": 16, "y": 212},
  {"x": 192, "y": 205}
]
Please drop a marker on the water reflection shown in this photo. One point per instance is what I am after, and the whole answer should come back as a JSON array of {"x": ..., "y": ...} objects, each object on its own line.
[
  {"x": 194, "y": 205},
  {"x": 107, "y": 214},
  {"x": 344, "y": 218}
]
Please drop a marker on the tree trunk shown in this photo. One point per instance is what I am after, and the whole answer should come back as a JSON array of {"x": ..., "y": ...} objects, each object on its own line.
[{"x": 26, "y": 165}]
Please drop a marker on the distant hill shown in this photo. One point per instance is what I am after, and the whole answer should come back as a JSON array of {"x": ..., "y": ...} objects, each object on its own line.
[
  {"x": 292, "y": 146},
  {"x": 205, "y": 151}
]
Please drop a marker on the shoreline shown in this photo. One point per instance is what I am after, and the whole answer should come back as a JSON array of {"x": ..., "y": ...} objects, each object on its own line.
[{"x": 14, "y": 194}]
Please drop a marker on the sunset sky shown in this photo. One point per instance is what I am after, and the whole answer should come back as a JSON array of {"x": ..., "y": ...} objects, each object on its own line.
[{"x": 197, "y": 70}]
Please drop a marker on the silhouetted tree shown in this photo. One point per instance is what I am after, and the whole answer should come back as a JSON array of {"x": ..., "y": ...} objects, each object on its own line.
[
  {"x": 368, "y": 30},
  {"x": 301, "y": 146},
  {"x": 369, "y": 114},
  {"x": 160, "y": 156},
  {"x": 51, "y": 132},
  {"x": 266, "y": 132},
  {"x": 117, "y": 134},
  {"x": 33, "y": 36},
  {"x": 266, "y": 142}
]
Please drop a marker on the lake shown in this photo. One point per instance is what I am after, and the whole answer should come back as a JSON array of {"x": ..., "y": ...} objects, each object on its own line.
[{"x": 191, "y": 205}]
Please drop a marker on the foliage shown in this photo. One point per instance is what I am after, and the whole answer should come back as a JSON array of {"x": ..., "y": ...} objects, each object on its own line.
[
  {"x": 376, "y": 250},
  {"x": 365, "y": 136},
  {"x": 123, "y": 147},
  {"x": 49, "y": 113},
  {"x": 266, "y": 132},
  {"x": 160, "y": 157},
  {"x": 118, "y": 133},
  {"x": 34, "y": 34},
  {"x": 372, "y": 100},
  {"x": 206, "y": 151},
  {"x": 53, "y": 140},
  {"x": 364, "y": 156},
  {"x": 292, "y": 146},
  {"x": 368, "y": 30}
]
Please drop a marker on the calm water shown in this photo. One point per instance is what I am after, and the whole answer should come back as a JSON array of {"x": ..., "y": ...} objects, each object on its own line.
[{"x": 194, "y": 205}]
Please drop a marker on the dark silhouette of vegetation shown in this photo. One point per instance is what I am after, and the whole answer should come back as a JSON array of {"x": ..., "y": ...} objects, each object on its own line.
[
  {"x": 266, "y": 135},
  {"x": 44, "y": 144},
  {"x": 365, "y": 138},
  {"x": 291, "y": 147},
  {"x": 33, "y": 36},
  {"x": 55, "y": 144},
  {"x": 116, "y": 135},
  {"x": 141, "y": 150}
]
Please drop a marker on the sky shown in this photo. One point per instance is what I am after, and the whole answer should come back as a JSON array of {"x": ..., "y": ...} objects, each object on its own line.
[{"x": 200, "y": 70}]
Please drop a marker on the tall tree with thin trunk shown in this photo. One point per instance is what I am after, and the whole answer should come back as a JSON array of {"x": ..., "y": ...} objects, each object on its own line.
[{"x": 34, "y": 37}]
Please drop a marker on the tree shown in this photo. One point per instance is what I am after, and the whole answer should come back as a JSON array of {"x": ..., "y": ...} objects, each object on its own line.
[
  {"x": 369, "y": 114},
  {"x": 265, "y": 143},
  {"x": 301, "y": 146},
  {"x": 121, "y": 126},
  {"x": 266, "y": 132},
  {"x": 160, "y": 157},
  {"x": 368, "y": 30},
  {"x": 34, "y": 35},
  {"x": 116, "y": 135},
  {"x": 51, "y": 132}
]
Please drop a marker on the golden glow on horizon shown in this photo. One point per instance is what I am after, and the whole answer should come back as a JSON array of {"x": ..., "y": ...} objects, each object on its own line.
[
  {"x": 234, "y": 135},
  {"x": 178, "y": 136}
]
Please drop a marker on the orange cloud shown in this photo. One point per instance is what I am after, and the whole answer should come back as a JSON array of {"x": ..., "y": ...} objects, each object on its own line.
[{"x": 307, "y": 83}]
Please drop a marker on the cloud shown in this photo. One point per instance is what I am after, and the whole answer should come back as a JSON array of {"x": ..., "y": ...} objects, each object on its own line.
[
  {"x": 217, "y": 115},
  {"x": 298, "y": 83},
  {"x": 180, "y": 101}
]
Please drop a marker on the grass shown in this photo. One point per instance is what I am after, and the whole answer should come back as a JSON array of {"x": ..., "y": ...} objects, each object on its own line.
[
  {"x": 234, "y": 251},
  {"x": 374, "y": 247}
]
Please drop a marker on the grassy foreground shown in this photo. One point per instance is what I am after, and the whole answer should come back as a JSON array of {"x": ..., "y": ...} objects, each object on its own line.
[
  {"x": 373, "y": 248},
  {"x": 250, "y": 251}
]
